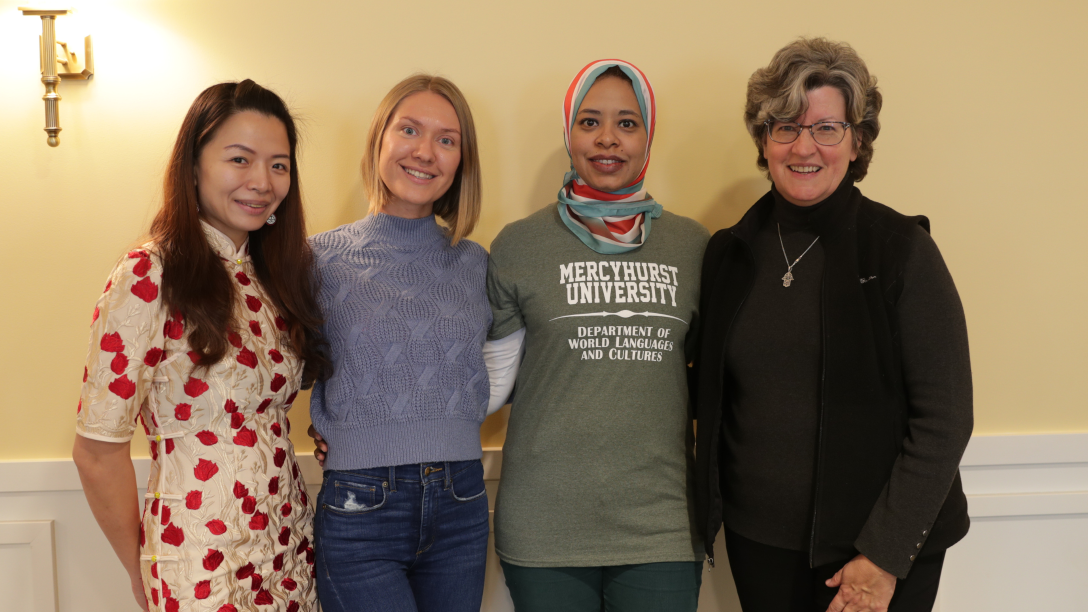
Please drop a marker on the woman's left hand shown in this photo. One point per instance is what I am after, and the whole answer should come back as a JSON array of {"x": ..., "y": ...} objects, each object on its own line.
[{"x": 863, "y": 587}]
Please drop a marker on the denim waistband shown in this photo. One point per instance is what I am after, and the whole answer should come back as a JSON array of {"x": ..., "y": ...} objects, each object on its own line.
[{"x": 412, "y": 472}]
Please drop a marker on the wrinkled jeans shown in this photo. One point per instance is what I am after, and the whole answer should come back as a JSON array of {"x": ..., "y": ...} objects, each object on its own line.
[{"x": 407, "y": 538}]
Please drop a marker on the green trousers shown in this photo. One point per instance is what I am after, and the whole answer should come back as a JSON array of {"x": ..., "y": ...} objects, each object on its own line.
[{"x": 647, "y": 587}]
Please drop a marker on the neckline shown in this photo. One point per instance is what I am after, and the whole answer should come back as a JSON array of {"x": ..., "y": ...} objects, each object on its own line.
[
  {"x": 793, "y": 217},
  {"x": 223, "y": 245},
  {"x": 423, "y": 230}
]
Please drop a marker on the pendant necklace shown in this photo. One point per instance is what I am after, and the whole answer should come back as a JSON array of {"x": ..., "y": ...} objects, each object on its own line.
[{"x": 788, "y": 278}]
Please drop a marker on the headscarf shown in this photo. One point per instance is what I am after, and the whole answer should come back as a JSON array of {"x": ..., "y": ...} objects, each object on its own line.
[{"x": 608, "y": 222}]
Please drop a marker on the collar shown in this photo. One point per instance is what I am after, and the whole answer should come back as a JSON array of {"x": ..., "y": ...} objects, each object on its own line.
[
  {"x": 403, "y": 231},
  {"x": 825, "y": 218},
  {"x": 224, "y": 246}
]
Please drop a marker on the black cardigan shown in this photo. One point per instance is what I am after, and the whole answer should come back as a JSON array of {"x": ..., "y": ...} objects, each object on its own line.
[{"x": 869, "y": 495}]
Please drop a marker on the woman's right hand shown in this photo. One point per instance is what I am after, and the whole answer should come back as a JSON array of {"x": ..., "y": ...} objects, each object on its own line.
[{"x": 322, "y": 447}]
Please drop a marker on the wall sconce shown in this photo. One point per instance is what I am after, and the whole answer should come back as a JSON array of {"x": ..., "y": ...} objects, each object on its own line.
[{"x": 56, "y": 66}]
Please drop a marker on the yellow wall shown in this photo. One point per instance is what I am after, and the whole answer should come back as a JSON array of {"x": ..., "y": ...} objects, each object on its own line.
[{"x": 984, "y": 132}]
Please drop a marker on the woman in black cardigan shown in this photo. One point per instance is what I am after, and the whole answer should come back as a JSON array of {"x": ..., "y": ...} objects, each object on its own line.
[{"x": 833, "y": 379}]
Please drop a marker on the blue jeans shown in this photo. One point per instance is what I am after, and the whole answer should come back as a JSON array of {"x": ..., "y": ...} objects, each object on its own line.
[{"x": 407, "y": 538}]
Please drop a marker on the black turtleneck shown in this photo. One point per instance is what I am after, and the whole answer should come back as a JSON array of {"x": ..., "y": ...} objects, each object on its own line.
[{"x": 773, "y": 359}]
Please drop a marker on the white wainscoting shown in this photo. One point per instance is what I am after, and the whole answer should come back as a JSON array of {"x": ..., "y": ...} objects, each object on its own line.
[{"x": 1027, "y": 549}]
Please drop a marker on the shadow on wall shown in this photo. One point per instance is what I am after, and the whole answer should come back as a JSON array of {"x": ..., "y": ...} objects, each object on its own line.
[
  {"x": 549, "y": 179},
  {"x": 731, "y": 204}
]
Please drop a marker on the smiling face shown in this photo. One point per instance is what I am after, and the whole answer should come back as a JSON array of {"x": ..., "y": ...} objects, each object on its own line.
[
  {"x": 804, "y": 172},
  {"x": 420, "y": 154},
  {"x": 608, "y": 139},
  {"x": 243, "y": 174}
]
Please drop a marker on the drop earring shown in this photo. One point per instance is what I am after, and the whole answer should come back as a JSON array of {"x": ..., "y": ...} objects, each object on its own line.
[{"x": 271, "y": 219}]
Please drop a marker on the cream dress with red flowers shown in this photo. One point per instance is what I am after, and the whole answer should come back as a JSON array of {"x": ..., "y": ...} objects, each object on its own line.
[{"x": 226, "y": 523}]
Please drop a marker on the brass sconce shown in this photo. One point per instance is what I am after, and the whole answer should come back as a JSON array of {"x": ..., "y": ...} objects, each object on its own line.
[{"x": 56, "y": 66}]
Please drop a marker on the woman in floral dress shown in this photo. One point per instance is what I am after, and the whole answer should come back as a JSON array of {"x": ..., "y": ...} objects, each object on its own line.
[{"x": 205, "y": 335}]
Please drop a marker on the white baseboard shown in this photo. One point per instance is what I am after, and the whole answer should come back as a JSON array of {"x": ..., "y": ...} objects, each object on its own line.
[{"x": 1027, "y": 497}]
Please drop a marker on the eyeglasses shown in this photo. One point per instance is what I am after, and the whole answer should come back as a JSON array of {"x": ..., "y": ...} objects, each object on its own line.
[{"x": 826, "y": 133}]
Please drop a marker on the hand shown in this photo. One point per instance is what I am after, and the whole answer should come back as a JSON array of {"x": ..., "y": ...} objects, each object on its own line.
[
  {"x": 322, "y": 447},
  {"x": 863, "y": 587},
  {"x": 138, "y": 593}
]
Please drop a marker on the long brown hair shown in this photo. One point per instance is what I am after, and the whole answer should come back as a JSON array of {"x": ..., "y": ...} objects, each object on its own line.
[{"x": 195, "y": 283}]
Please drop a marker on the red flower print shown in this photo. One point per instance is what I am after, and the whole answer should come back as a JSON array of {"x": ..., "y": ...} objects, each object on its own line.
[
  {"x": 194, "y": 357},
  {"x": 281, "y": 324},
  {"x": 173, "y": 329},
  {"x": 276, "y": 429},
  {"x": 123, "y": 387},
  {"x": 240, "y": 490},
  {"x": 289, "y": 584},
  {"x": 84, "y": 373},
  {"x": 249, "y": 504},
  {"x": 278, "y": 457},
  {"x": 212, "y": 559},
  {"x": 278, "y": 381},
  {"x": 79, "y": 406},
  {"x": 227, "y": 608},
  {"x": 171, "y": 604},
  {"x": 236, "y": 420},
  {"x": 263, "y": 598},
  {"x": 265, "y": 403},
  {"x": 275, "y": 355},
  {"x": 207, "y": 438},
  {"x": 142, "y": 267},
  {"x": 301, "y": 548},
  {"x": 119, "y": 363},
  {"x": 205, "y": 469},
  {"x": 169, "y": 445},
  {"x": 245, "y": 437},
  {"x": 242, "y": 278},
  {"x": 112, "y": 343},
  {"x": 285, "y": 510},
  {"x": 216, "y": 526},
  {"x": 145, "y": 290},
  {"x": 256, "y": 583},
  {"x": 230, "y": 406},
  {"x": 285, "y": 536},
  {"x": 154, "y": 507},
  {"x": 292, "y": 607},
  {"x": 244, "y": 572},
  {"x": 182, "y": 412},
  {"x": 274, "y": 485},
  {"x": 155, "y": 595},
  {"x": 253, "y": 303},
  {"x": 155, "y": 570},
  {"x": 154, "y": 452},
  {"x": 277, "y": 563},
  {"x": 247, "y": 358},
  {"x": 94, "y": 317},
  {"x": 153, "y": 357},
  {"x": 310, "y": 555},
  {"x": 294, "y": 470},
  {"x": 291, "y": 399},
  {"x": 193, "y": 500},
  {"x": 202, "y": 589},
  {"x": 234, "y": 339},
  {"x": 255, "y": 328},
  {"x": 195, "y": 387},
  {"x": 143, "y": 538},
  {"x": 173, "y": 535},
  {"x": 138, "y": 254},
  {"x": 165, "y": 514},
  {"x": 287, "y": 422}
]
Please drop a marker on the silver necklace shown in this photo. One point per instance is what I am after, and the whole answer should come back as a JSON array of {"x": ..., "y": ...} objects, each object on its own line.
[{"x": 788, "y": 278}]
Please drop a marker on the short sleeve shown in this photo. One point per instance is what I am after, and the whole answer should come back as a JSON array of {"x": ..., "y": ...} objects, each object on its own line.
[
  {"x": 503, "y": 295},
  {"x": 127, "y": 342}
]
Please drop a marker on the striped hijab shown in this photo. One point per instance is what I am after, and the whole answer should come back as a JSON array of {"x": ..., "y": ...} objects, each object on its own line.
[{"x": 608, "y": 222}]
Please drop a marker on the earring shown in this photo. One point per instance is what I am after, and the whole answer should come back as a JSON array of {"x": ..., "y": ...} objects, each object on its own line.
[{"x": 271, "y": 219}]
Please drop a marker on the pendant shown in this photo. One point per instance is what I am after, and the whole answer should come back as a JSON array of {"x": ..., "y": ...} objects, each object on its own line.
[{"x": 787, "y": 279}]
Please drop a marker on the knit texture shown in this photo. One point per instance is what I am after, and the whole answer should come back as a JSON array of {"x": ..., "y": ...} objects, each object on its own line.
[{"x": 406, "y": 315}]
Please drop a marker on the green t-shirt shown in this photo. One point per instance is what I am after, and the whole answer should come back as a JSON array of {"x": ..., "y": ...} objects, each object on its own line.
[{"x": 598, "y": 461}]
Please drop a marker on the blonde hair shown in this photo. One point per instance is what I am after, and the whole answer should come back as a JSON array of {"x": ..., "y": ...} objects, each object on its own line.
[
  {"x": 778, "y": 93},
  {"x": 459, "y": 207}
]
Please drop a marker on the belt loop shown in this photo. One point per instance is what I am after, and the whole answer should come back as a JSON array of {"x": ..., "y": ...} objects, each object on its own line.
[
  {"x": 449, "y": 478},
  {"x": 393, "y": 478}
]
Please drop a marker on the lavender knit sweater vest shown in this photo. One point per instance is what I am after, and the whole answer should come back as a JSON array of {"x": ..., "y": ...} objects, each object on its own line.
[{"x": 406, "y": 315}]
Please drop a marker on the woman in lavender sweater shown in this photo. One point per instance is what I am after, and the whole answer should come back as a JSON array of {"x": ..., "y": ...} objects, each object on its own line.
[{"x": 402, "y": 517}]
